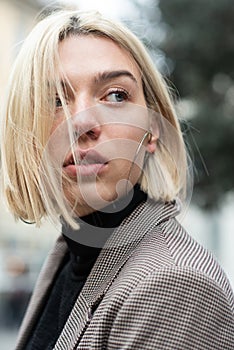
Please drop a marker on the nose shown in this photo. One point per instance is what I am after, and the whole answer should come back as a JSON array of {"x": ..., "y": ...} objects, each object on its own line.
[{"x": 86, "y": 125}]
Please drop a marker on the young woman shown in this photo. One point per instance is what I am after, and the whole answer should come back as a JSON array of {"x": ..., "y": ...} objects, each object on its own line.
[{"x": 90, "y": 139}]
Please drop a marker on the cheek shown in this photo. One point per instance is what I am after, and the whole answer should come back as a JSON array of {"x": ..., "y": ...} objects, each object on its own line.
[
  {"x": 124, "y": 146},
  {"x": 56, "y": 123},
  {"x": 126, "y": 132},
  {"x": 127, "y": 158}
]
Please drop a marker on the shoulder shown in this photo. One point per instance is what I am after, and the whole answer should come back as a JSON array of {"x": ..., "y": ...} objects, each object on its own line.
[
  {"x": 182, "y": 287},
  {"x": 187, "y": 252},
  {"x": 168, "y": 253},
  {"x": 178, "y": 306}
]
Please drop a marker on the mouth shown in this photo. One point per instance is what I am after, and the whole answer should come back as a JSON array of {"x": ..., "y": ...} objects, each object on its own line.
[{"x": 84, "y": 163}]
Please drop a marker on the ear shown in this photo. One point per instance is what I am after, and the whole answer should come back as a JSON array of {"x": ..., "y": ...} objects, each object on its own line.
[{"x": 151, "y": 145}]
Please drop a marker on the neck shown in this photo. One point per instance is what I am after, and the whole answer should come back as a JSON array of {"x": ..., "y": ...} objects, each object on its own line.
[{"x": 98, "y": 226}]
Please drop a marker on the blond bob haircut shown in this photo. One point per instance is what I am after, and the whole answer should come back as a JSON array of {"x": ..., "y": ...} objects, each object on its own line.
[{"x": 29, "y": 110}]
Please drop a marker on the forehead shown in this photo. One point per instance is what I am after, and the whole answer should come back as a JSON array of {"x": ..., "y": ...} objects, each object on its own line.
[{"x": 89, "y": 53}]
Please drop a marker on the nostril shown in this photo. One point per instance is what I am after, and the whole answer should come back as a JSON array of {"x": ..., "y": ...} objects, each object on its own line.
[
  {"x": 87, "y": 132},
  {"x": 92, "y": 134}
]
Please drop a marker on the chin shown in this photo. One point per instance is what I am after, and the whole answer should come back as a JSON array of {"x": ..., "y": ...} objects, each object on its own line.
[
  {"x": 89, "y": 198},
  {"x": 92, "y": 196}
]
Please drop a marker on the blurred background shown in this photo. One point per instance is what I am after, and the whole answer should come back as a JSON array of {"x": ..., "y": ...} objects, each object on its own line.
[{"x": 192, "y": 44}]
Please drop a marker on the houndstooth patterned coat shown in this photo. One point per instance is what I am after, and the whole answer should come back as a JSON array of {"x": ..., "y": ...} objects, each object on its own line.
[{"x": 152, "y": 287}]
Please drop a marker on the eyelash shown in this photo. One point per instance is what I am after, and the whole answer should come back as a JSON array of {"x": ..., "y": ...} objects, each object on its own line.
[
  {"x": 125, "y": 95},
  {"x": 118, "y": 91}
]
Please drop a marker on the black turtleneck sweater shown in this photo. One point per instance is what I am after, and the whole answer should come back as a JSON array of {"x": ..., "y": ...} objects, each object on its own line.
[{"x": 77, "y": 265}]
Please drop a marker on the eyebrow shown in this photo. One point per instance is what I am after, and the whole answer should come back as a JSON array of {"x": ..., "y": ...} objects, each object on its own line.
[{"x": 109, "y": 75}]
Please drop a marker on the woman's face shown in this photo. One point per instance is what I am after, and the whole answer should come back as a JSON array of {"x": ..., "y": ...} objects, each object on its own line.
[{"x": 109, "y": 114}]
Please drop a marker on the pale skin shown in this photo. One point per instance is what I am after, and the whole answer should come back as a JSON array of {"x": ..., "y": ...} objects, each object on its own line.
[{"x": 101, "y": 74}]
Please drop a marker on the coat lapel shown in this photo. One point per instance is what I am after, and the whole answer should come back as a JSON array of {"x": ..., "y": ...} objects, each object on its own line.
[
  {"x": 113, "y": 256},
  {"x": 44, "y": 282}
]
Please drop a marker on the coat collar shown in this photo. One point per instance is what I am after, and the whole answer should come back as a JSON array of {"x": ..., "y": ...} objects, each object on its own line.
[
  {"x": 121, "y": 244},
  {"x": 113, "y": 256}
]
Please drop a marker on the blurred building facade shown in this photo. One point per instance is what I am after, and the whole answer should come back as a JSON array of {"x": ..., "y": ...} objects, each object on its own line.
[{"x": 16, "y": 19}]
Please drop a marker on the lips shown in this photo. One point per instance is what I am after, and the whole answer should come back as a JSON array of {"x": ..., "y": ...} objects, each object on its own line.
[{"x": 87, "y": 163}]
